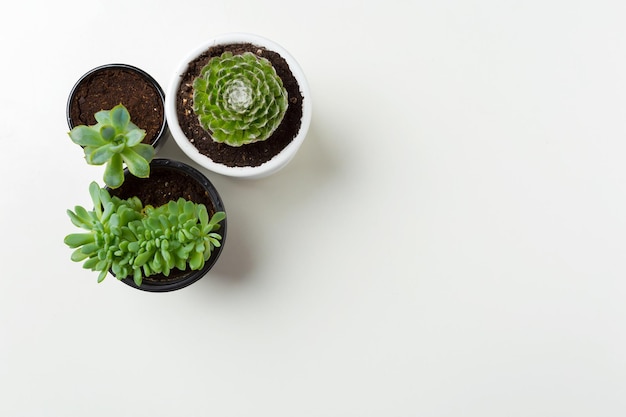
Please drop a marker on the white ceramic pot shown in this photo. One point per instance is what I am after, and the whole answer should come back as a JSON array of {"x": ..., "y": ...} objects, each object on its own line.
[{"x": 278, "y": 161}]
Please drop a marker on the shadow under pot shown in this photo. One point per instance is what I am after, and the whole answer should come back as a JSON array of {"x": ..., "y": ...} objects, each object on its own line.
[
  {"x": 170, "y": 180},
  {"x": 106, "y": 86}
]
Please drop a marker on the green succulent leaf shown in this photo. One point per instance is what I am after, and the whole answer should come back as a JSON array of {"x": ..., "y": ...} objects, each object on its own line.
[
  {"x": 78, "y": 221},
  {"x": 75, "y": 240},
  {"x": 103, "y": 117},
  {"x": 137, "y": 165},
  {"x": 83, "y": 215},
  {"x": 216, "y": 219},
  {"x": 114, "y": 172},
  {"x": 239, "y": 99},
  {"x": 101, "y": 155},
  {"x": 134, "y": 137},
  {"x": 113, "y": 135},
  {"x": 196, "y": 261},
  {"x": 78, "y": 255},
  {"x": 203, "y": 215},
  {"x": 107, "y": 132},
  {"x": 86, "y": 136},
  {"x": 91, "y": 263},
  {"x": 120, "y": 117},
  {"x": 144, "y": 258},
  {"x": 137, "y": 277}
]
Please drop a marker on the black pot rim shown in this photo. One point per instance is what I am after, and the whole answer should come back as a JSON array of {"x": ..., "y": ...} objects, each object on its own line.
[
  {"x": 192, "y": 276},
  {"x": 139, "y": 71}
]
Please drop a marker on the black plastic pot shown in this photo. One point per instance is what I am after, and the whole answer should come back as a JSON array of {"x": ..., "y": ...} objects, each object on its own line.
[
  {"x": 133, "y": 87},
  {"x": 198, "y": 189}
]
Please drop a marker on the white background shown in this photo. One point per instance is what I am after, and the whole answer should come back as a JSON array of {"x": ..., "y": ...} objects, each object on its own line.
[{"x": 449, "y": 240}]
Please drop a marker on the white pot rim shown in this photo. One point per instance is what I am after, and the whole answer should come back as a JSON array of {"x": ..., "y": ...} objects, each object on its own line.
[{"x": 278, "y": 161}]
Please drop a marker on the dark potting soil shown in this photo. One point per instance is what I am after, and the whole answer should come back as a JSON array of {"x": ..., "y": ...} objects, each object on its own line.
[
  {"x": 162, "y": 186},
  {"x": 253, "y": 154},
  {"x": 109, "y": 87}
]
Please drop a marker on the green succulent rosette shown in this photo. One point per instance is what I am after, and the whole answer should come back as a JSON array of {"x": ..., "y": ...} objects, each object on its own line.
[
  {"x": 114, "y": 140},
  {"x": 239, "y": 99}
]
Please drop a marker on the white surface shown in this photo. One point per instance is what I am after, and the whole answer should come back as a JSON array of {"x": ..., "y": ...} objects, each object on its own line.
[{"x": 449, "y": 241}]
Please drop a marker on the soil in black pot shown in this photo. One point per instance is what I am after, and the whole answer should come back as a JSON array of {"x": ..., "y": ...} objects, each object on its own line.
[
  {"x": 108, "y": 87},
  {"x": 163, "y": 185},
  {"x": 253, "y": 154}
]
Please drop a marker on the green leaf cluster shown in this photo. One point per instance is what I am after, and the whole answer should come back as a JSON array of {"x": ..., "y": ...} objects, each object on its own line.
[
  {"x": 239, "y": 99},
  {"x": 114, "y": 140},
  {"x": 129, "y": 239}
]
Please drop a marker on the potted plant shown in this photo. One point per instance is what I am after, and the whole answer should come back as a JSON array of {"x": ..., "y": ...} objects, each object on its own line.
[
  {"x": 159, "y": 231},
  {"x": 239, "y": 105},
  {"x": 108, "y": 85}
]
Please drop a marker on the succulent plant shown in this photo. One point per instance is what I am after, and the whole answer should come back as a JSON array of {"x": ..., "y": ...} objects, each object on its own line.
[
  {"x": 129, "y": 239},
  {"x": 239, "y": 99},
  {"x": 114, "y": 140}
]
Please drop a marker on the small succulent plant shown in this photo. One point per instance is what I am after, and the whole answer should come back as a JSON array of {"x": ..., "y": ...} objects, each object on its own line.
[
  {"x": 114, "y": 140},
  {"x": 129, "y": 239},
  {"x": 239, "y": 99}
]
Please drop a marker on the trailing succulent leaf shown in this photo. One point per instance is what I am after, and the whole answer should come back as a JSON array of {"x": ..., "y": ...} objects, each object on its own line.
[
  {"x": 239, "y": 99},
  {"x": 129, "y": 239},
  {"x": 114, "y": 140}
]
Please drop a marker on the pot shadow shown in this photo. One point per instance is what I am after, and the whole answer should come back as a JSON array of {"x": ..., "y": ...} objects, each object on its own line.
[
  {"x": 314, "y": 165},
  {"x": 251, "y": 202},
  {"x": 236, "y": 261},
  {"x": 305, "y": 178},
  {"x": 248, "y": 202}
]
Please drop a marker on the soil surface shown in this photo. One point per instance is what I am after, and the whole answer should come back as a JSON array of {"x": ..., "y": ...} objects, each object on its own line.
[
  {"x": 162, "y": 186},
  {"x": 253, "y": 154},
  {"x": 106, "y": 88}
]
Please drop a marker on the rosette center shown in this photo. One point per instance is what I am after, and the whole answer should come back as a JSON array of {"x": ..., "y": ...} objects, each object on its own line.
[{"x": 239, "y": 95}]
